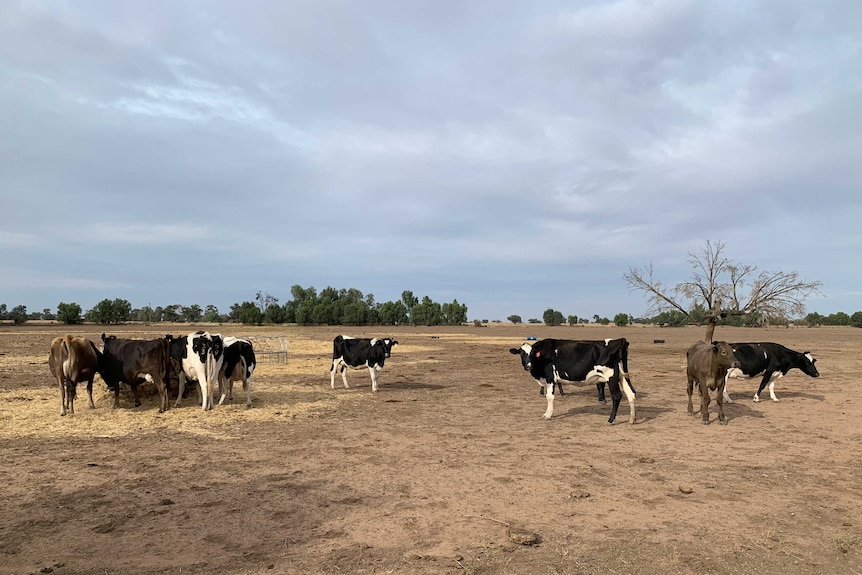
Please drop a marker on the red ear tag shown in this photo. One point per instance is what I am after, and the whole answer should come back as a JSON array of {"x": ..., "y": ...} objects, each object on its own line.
[{"x": 538, "y": 354}]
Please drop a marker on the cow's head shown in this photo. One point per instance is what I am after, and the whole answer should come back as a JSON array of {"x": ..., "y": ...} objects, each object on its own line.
[
  {"x": 524, "y": 351},
  {"x": 385, "y": 344},
  {"x": 106, "y": 339},
  {"x": 724, "y": 356},
  {"x": 808, "y": 367}
]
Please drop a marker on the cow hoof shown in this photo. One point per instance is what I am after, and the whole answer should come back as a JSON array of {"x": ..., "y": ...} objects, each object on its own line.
[
  {"x": 775, "y": 400},
  {"x": 723, "y": 422},
  {"x": 706, "y": 422},
  {"x": 756, "y": 399},
  {"x": 728, "y": 400}
]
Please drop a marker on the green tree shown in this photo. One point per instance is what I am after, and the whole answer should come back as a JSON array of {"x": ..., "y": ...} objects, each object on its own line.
[
  {"x": 621, "y": 319},
  {"x": 533, "y": 320},
  {"x": 572, "y": 319},
  {"x": 839, "y": 318},
  {"x": 813, "y": 319},
  {"x": 393, "y": 313},
  {"x": 514, "y": 318},
  {"x": 250, "y": 314},
  {"x": 172, "y": 313},
  {"x": 3, "y": 313},
  {"x": 426, "y": 313},
  {"x": 553, "y": 317},
  {"x": 69, "y": 313},
  {"x": 856, "y": 319},
  {"x": 453, "y": 313},
  {"x": 18, "y": 315},
  {"x": 274, "y": 314},
  {"x": 192, "y": 313}
]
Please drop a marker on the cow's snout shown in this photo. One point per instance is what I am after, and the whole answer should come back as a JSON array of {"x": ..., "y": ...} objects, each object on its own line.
[{"x": 736, "y": 365}]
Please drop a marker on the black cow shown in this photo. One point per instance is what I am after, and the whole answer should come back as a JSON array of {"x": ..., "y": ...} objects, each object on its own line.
[
  {"x": 358, "y": 353},
  {"x": 239, "y": 364},
  {"x": 771, "y": 360},
  {"x": 133, "y": 362},
  {"x": 593, "y": 362}
]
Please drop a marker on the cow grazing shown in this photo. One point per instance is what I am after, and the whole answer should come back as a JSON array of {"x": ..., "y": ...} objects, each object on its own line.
[
  {"x": 73, "y": 360},
  {"x": 770, "y": 360},
  {"x": 558, "y": 361},
  {"x": 357, "y": 353},
  {"x": 133, "y": 362},
  {"x": 707, "y": 364},
  {"x": 200, "y": 356},
  {"x": 239, "y": 364}
]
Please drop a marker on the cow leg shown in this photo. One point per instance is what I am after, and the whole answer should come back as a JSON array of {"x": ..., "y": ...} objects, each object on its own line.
[
  {"x": 117, "y": 395},
  {"x": 62, "y": 384},
  {"x": 690, "y": 390},
  {"x": 332, "y": 374},
  {"x": 724, "y": 394},
  {"x": 70, "y": 395},
  {"x": 763, "y": 383},
  {"x": 616, "y": 396},
  {"x": 344, "y": 375},
  {"x": 221, "y": 387},
  {"x": 719, "y": 399},
  {"x": 135, "y": 393},
  {"x": 90, "y": 393},
  {"x": 374, "y": 372},
  {"x": 704, "y": 402},
  {"x": 182, "y": 387},
  {"x": 600, "y": 390},
  {"x": 772, "y": 391},
  {"x": 549, "y": 395},
  {"x": 630, "y": 394},
  {"x": 247, "y": 385}
]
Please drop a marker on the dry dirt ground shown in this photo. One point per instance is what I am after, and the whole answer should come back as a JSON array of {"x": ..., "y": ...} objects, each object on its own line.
[{"x": 438, "y": 472}]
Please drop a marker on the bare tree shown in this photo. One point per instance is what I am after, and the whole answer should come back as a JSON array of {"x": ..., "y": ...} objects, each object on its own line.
[{"x": 720, "y": 288}]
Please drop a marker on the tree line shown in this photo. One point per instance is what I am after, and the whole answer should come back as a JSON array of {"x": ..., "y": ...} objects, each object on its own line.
[{"x": 330, "y": 306}]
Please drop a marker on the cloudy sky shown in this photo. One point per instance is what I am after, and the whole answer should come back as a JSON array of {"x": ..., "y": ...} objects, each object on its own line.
[{"x": 513, "y": 155}]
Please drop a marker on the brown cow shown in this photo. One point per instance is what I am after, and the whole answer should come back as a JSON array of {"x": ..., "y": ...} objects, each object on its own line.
[
  {"x": 135, "y": 361},
  {"x": 707, "y": 365},
  {"x": 74, "y": 360}
]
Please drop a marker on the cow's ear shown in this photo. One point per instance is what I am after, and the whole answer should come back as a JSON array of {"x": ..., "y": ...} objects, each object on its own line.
[
  {"x": 103, "y": 337},
  {"x": 514, "y": 350},
  {"x": 715, "y": 347}
]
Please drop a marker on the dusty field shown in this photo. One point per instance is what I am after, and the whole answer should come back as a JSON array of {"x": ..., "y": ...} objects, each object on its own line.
[{"x": 431, "y": 474}]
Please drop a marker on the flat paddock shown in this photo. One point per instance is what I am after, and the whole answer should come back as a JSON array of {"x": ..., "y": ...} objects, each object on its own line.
[{"x": 432, "y": 473}]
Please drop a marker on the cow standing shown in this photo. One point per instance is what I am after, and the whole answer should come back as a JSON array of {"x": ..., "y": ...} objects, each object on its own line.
[
  {"x": 598, "y": 362},
  {"x": 707, "y": 364},
  {"x": 73, "y": 360},
  {"x": 133, "y": 362},
  {"x": 772, "y": 361},
  {"x": 239, "y": 364},
  {"x": 357, "y": 353},
  {"x": 200, "y": 356}
]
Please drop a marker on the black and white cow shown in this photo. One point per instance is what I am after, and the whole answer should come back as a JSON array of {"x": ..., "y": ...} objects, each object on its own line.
[
  {"x": 358, "y": 353},
  {"x": 239, "y": 364},
  {"x": 200, "y": 356},
  {"x": 770, "y": 360},
  {"x": 591, "y": 362}
]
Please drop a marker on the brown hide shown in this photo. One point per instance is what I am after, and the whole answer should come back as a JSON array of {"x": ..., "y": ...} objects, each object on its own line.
[
  {"x": 73, "y": 360},
  {"x": 707, "y": 364}
]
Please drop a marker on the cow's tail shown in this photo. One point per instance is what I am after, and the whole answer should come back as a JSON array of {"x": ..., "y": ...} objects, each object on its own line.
[
  {"x": 68, "y": 367},
  {"x": 210, "y": 372},
  {"x": 337, "y": 351},
  {"x": 624, "y": 359},
  {"x": 168, "y": 339}
]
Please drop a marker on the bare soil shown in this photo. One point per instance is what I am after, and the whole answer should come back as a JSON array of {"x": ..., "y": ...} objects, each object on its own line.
[{"x": 450, "y": 468}]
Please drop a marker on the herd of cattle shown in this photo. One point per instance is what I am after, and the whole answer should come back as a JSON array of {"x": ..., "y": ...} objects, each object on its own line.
[{"x": 209, "y": 358}]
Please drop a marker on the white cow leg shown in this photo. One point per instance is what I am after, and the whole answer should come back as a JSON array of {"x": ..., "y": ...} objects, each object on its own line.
[
  {"x": 374, "y": 371},
  {"x": 549, "y": 395},
  {"x": 204, "y": 397},
  {"x": 332, "y": 375},
  {"x": 221, "y": 388},
  {"x": 772, "y": 391},
  {"x": 630, "y": 395},
  {"x": 726, "y": 397},
  {"x": 247, "y": 392},
  {"x": 344, "y": 376}
]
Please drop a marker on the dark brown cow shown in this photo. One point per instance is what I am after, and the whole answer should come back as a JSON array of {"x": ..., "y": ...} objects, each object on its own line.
[
  {"x": 134, "y": 361},
  {"x": 707, "y": 365},
  {"x": 73, "y": 360}
]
